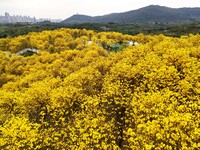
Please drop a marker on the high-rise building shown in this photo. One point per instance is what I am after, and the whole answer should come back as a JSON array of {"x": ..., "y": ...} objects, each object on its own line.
[
  {"x": 15, "y": 19},
  {"x": 23, "y": 19}
]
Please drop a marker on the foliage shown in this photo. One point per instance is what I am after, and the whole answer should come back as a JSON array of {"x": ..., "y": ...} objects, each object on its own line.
[
  {"x": 80, "y": 95},
  {"x": 174, "y": 30}
]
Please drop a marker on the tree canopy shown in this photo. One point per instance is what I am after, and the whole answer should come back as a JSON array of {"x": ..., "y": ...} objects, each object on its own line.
[{"x": 76, "y": 94}]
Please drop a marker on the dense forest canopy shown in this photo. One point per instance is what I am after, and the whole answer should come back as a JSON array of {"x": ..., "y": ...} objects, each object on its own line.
[
  {"x": 173, "y": 30},
  {"x": 89, "y": 90}
]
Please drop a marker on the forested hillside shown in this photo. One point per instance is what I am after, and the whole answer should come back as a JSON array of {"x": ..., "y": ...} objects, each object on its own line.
[
  {"x": 151, "y": 13},
  {"x": 87, "y": 90}
]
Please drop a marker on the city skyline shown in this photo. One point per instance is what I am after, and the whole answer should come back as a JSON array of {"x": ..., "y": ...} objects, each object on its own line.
[
  {"x": 62, "y": 9},
  {"x": 7, "y": 18}
]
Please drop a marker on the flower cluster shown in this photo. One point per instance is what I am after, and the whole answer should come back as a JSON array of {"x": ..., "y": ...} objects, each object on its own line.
[{"x": 80, "y": 95}]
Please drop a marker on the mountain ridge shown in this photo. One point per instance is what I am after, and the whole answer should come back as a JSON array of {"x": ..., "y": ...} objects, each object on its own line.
[{"x": 151, "y": 13}]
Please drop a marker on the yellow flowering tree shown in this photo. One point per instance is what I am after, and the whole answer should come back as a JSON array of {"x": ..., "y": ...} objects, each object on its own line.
[{"x": 76, "y": 94}]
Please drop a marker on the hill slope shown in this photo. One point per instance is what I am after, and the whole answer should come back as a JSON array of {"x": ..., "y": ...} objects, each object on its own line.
[
  {"x": 79, "y": 18},
  {"x": 152, "y": 13}
]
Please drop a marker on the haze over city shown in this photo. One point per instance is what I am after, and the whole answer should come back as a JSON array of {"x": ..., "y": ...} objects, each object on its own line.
[{"x": 62, "y": 9}]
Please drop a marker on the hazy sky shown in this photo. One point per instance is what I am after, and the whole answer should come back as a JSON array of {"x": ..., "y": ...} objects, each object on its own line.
[{"x": 61, "y": 9}]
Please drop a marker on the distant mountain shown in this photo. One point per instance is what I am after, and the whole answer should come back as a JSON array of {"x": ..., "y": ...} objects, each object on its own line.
[
  {"x": 79, "y": 18},
  {"x": 150, "y": 14}
]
